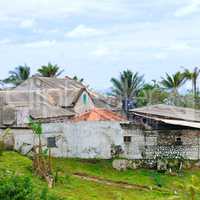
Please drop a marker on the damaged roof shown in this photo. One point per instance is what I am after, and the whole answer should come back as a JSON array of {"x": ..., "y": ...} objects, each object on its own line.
[
  {"x": 64, "y": 98},
  {"x": 65, "y": 92},
  {"x": 170, "y": 115},
  {"x": 37, "y": 104},
  {"x": 98, "y": 114},
  {"x": 46, "y": 82}
]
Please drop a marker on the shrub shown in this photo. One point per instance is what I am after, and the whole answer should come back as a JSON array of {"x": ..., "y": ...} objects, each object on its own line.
[
  {"x": 20, "y": 188},
  {"x": 16, "y": 188}
]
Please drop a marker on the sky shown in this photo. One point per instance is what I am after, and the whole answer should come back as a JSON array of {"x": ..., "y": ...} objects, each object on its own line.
[{"x": 97, "y": 39}]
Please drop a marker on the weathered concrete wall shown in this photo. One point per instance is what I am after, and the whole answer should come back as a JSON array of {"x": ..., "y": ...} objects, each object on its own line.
[
  {"x": 23, "y": 139},
  {"x": 82, "y": 139},
  {"x": 85, "y": 139},
  {"x": 95, "y": 139},
  {"x": 133, "y": 149}
]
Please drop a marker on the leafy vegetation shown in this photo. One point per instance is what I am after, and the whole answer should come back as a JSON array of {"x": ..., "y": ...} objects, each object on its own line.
[
  {"x": 19, "y": 75},
  {"x": 151, "y": 94},
  {"x": 69, "y": 187},
  {"x": 193, "y": 77},
  {"x": 41, "y": 165},
  {"x": 50, "y": 70},
  {"x": 128, "y": 84}
]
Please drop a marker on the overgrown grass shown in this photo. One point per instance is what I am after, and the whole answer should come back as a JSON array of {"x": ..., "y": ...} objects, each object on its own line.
[{"x": 72, "y": 188}]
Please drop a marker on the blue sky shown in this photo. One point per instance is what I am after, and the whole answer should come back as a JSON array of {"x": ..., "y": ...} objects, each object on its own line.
[{"x": 96, "y": 39}]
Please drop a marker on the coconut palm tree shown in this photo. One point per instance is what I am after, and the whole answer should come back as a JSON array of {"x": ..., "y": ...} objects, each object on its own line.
[
  {"x": 19, "y": 75},
  {"x": 50, "y": 70},
  {"x": 127, "y": 86},
  {"x": 193, "y": 77},
  {"x": 174, "y": 82}
]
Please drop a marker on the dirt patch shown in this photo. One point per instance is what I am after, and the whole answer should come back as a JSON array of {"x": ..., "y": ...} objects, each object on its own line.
[{"x": 120, "y": 184}]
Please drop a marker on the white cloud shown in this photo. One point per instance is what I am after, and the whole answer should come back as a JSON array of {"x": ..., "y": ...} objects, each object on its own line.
[
  {"x": 40, "y": 44},
  {"x": 57, "y": 8},
  {"x": 27, "y": 23},
  {"x": 192, "y": 7},
  {"x": 160, "y": 56},
  {"x": 177, "y": 46},
  {"x": 5, "y": 41},
  {"x": 103, "y": 51},
  {"x": 83, "y": 31}
]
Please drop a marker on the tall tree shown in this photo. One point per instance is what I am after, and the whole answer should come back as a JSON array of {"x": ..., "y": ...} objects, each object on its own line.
[
  {"x": 50, "y": 70},
  {"x": 19, "y": 75},
  {"x": 127, "y": 86},
  {"x": 174, "y": 82},
  {"x": 193, "y": 77},
  {"x": 151, "y": 93}
]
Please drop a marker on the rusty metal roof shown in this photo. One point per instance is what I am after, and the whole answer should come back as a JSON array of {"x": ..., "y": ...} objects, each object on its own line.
[{"x": 169, "y": 112}]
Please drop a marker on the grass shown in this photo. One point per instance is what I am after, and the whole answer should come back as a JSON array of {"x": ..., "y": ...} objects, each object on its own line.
[{"x": 73, "y": 188}]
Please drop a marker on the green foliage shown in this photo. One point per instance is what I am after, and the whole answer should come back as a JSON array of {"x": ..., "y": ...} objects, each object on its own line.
[
  {"x": 50, "y": 70},
  {"x": 19, "y": 75},
  {"x": 128, "y": 84},
  {"x": 36, "y": 127},
  {"x": 173, "y": 82},
  {"x": 16, "y": 188},
  {"x": 151, "y": 94},
  {"x": 193, "y": 77}
]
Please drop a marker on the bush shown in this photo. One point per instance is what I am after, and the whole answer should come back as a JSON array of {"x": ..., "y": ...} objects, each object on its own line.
[
  {"x": 16, "y": 188},
  {"x": 20, "y": 188}
]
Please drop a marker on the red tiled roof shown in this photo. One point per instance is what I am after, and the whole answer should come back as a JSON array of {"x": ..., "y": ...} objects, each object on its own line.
[{"x": 98, "y": 114}]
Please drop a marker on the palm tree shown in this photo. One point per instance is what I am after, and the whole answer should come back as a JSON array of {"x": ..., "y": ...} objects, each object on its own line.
[
  {"x": 193, "y": 76},
  {"x": 174, "y": 82},
  {"x": 127, "y": 86},
  {"x": 19, "y": 75},
  {"x": 50, "y": 70},
  {"x": 151, "y": 93}
]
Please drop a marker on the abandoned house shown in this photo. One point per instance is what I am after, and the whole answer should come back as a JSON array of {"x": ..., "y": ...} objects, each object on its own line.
[{"x": 81, "y": 123}]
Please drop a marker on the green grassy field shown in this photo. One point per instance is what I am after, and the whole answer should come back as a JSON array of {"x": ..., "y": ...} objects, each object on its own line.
[{"x": 72, "y": 188}]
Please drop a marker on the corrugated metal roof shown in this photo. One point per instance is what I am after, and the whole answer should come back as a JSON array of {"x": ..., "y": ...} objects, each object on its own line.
[
  {"x": 173, "y": 122},
  {"x": 169, "y": 112},
  {"x": 37, "y": 103}
]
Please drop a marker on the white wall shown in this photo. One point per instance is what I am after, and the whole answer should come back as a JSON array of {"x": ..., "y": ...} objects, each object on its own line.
[
  {"x": 85, "y": 139},
  {"x": 81, "y": 139}
]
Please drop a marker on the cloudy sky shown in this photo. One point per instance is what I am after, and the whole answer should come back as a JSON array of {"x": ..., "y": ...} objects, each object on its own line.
[{"x": 96, "y": 39}]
